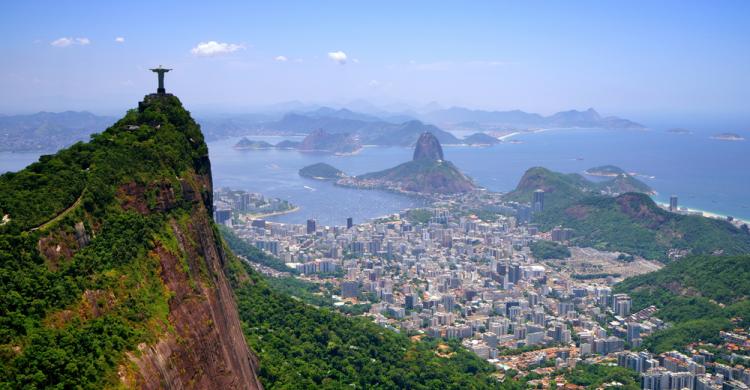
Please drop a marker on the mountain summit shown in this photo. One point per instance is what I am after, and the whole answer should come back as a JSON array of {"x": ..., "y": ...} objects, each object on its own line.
[
  {"x": 427, "y": 173},
  {"x": 428, "y": 148},
  {"x": 117, "y": 268}
]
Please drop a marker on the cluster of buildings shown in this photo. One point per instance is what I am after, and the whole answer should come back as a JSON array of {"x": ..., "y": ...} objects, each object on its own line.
[
  {"x": 230, "y": 204},
  {"x": 455, "y": 276},
  {"x": 675, "y": 208},
  {"x": 676, "y": 371}
]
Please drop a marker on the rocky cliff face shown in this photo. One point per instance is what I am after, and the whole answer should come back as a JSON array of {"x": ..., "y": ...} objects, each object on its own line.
[
  {"x": 428, "y": 148},
  {"x": 206, "y": 348},
  {"x": 129, "y": 271}
]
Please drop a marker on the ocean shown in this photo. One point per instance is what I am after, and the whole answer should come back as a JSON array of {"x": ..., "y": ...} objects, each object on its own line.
[{"x": 704, "y": 173}]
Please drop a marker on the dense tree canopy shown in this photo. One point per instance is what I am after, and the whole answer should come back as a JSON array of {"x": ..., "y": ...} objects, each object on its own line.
[
  {"x": 544, "y": 250},
  {"x": 698, "y": 295},
  {"x": 630, "y": 222},
  {"x": 77, "y": 285}
]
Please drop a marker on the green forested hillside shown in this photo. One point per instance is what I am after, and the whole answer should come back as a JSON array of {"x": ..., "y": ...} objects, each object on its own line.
[
  {"x": 560, "y": 189},
  {"x": 544, "y": 250},
  {"x": 630, "y": 222},
  {"x": 633, "y": 223},
  {"x": 699, "y": 295},
  {"x": 78, "y": 285},
  {"x": 724, "y": 279},
  {"x": 569, "y": 187}
]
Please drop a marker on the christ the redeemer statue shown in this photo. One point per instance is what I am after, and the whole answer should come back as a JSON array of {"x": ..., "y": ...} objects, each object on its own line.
[{"x": 160, "y": 71}]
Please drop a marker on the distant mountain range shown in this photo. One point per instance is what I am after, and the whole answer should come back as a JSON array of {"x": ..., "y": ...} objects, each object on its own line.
[
  {"x": 51, "y": 131},
  {"x": 48, "y": 130},
  {"x": 458, "y": 117},
  {"x": 391, "y": 131},
  {"x": 370, "y": 130}
]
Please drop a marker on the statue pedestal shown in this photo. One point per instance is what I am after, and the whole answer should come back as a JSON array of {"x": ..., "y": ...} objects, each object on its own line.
[{"x": 150, "y": 98}]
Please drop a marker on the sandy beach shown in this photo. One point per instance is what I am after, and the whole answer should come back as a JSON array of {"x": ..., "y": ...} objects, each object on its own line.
[{"x": 707, "y": 214}]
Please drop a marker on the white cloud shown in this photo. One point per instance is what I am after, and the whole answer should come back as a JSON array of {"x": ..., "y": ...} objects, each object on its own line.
[
  {"x": 355, "y": 60},
  {"x": 338, "y": 56},
  {"x": 374, "y": 83},
  {"x": 62, "y": 42},
  {"x": 213, "y": 48},
  {"x": 120, "y": 40},
  {"x": 281, "y": 58},
  {"x": 65, "y": 42}
]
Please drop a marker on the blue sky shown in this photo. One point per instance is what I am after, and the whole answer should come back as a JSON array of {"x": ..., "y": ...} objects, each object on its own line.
[{"x": 626, "y": 58}]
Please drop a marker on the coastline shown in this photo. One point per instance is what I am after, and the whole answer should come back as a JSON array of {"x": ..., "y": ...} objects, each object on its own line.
[
  {"x": 588, "y": 172},
  {"x": 534, "y": 131},
  {"x": 509, "y": 135},
  {"x": 707, "y": 214}
]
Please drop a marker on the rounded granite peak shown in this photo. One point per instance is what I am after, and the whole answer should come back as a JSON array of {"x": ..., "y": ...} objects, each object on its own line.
[{"x": 428, "y": 148}]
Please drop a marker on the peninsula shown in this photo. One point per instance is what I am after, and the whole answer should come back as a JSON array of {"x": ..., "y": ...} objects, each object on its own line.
[{"x": 428, "y": 173}]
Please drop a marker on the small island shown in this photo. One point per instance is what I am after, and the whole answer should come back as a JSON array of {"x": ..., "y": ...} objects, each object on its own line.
[
  {"x": 728, "y": 137},
  {"x": 618, "y": 182},
  {"x": 321, "y": 171},
  {"x": 248, "y": 144},
  {"x": 679, "y": 131}
]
